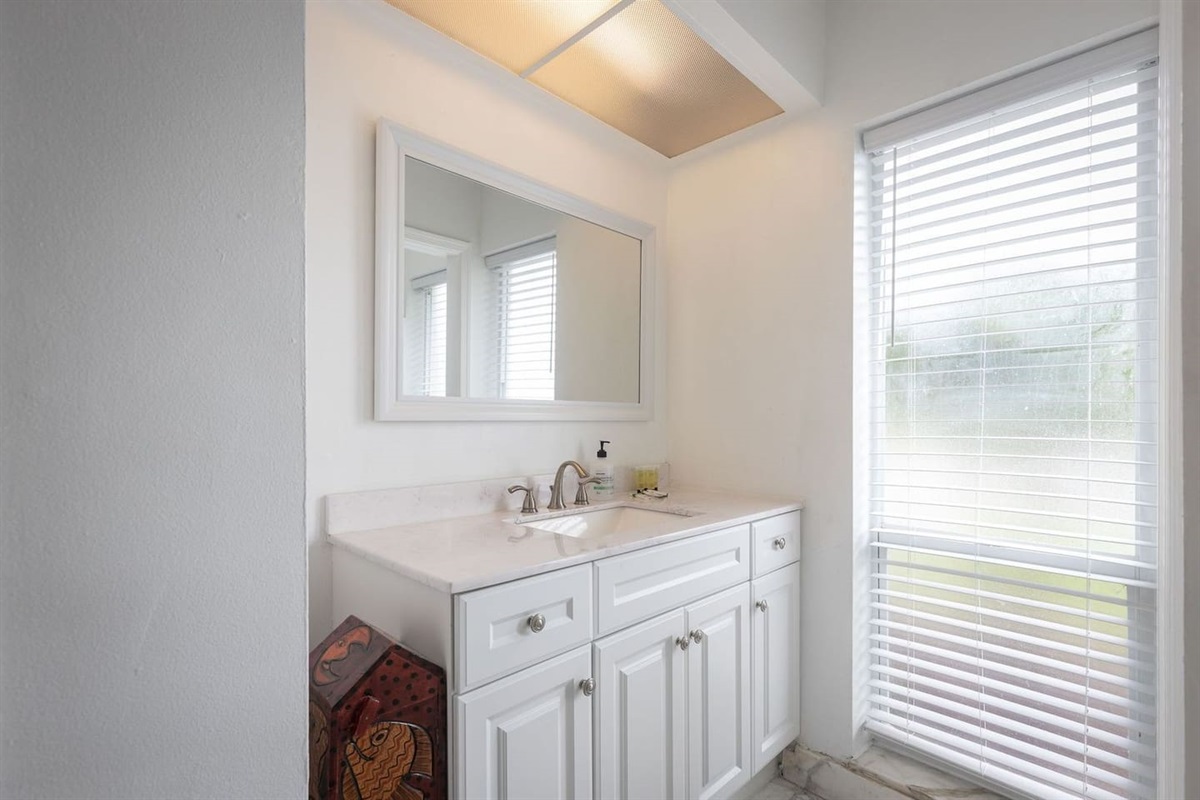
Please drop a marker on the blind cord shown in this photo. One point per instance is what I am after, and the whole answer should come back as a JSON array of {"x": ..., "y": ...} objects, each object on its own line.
[{"x": 892, "y": 299}]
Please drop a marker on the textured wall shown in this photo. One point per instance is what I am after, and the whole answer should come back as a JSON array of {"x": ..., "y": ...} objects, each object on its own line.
[{"x": 152, "y": 633}]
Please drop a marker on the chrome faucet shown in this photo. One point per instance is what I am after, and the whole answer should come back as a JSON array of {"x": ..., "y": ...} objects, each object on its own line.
[
  {"x": 530, "y": 504},
  {"x": 581, "y": 496}
]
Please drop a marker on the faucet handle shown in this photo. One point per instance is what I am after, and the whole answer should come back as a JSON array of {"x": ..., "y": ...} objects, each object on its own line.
[
  {"x": 530, "y": 504},
  {"x": 581, "y": 494}
]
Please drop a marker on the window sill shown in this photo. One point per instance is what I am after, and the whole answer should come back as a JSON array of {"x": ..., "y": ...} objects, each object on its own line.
[{"x": 877, "y": 774}]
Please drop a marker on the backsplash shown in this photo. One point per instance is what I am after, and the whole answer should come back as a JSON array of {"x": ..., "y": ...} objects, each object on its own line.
[{"x": 384, "y": 508}]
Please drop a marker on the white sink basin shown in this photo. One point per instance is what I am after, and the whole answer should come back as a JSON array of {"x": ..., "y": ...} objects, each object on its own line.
[{"x": 594, "y": 522}]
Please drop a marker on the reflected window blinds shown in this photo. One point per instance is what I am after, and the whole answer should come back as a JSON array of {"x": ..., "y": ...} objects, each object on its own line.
[
  {"x": 433, "y": 381},
  {"x": 1014, "y": 425},
  {"x": 426, "y": 350},
  {"x": 526, "y": 291}
]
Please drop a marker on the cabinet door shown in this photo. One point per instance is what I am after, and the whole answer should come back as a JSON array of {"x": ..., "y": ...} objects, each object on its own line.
[
  {"x": 528, "y": 736},
  {"x": 776, "y": 681},
  {"x": 641, "y": 704},
  {"x": 720, "y": 754}
]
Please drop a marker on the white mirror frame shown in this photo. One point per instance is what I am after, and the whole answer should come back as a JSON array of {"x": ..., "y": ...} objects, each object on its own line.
[{"x": 393, "y": 143}]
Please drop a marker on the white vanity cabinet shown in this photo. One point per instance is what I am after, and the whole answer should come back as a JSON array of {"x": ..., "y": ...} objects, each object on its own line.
[
  {"x": 641, "y": 710},
  {"x": 718, "y": 676},
  {"x": 669, "y": 671},
  {"x": 673, "y": 702},
  {"x": 775, "y": 634},
  {"x": 529, "y": 735}
]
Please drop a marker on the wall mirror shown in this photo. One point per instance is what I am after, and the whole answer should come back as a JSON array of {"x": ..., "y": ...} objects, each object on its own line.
[{"x": 498, "y": 297}]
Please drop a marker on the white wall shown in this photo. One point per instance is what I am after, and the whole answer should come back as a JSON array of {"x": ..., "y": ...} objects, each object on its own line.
[
  {"x": 1191, "y": 365},
  {"x": 366, "y": 60},
  {"x": 793, "y": 32},
  {"x": 152, "y": 626},
  {"x": 760, "y": 247},
  {"x": 599, "y": 314}
]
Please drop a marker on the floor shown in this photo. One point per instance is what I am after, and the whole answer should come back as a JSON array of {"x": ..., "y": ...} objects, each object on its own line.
[{"x": 779, "y": 789}]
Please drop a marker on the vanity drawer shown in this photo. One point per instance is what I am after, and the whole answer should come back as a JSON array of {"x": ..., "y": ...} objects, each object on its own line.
[
  {"x": 504, "y": 628},
  {"x": 639, "y": 585},
  {"x": 776, "y": 542}
]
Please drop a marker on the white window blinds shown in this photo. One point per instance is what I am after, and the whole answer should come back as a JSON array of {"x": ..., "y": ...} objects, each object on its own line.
[
  {"x": 434, "y": 379},
  {"x": 526, "y": 281},
  {"x": 1014, "y": 429},
  {"x": 427, "y": 351}
]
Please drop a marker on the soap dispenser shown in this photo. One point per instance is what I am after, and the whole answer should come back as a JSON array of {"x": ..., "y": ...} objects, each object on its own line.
[{"x": 602, "y": 470}]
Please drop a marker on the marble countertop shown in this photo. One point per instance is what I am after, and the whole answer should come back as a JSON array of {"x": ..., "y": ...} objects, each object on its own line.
[{"x": 465, "y": 553}]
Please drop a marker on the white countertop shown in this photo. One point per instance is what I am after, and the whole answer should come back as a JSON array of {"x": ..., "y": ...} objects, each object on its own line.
[{"x": 465, "y": 553}]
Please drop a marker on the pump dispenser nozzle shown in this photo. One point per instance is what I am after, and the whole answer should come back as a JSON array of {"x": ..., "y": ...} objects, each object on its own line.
[{"x": 603, "y": 470}]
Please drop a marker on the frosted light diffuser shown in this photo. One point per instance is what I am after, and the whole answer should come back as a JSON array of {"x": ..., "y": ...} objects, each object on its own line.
[
  {"x": 649, "y": 75},
  {"x": 632, "y": 64},
  {"x": 513, "y": 33}
]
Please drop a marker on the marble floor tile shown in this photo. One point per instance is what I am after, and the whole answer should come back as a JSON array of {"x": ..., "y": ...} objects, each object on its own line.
[{"x": 780, "y": 789}]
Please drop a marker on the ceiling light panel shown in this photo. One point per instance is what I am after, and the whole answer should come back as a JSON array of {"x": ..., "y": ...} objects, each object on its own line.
[
  {"x": 513, "y": 33},
  {"x": 646, "y": 73}
]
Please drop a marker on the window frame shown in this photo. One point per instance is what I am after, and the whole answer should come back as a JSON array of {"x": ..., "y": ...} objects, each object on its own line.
[
  {"x": 1169, "y": 603},
  {"x": 502, "y": 264}
]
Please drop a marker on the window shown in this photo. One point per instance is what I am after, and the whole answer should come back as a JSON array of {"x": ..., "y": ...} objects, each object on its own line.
[
  {"x": 1013, "y": 432},
  {"x": 426, "y": 351},
  {"x": 433, "y": 381},
  {"x": 526, "y": 279}
]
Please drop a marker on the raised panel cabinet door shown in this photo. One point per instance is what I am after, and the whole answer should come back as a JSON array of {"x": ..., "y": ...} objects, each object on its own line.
[
  {"x": 641, "y": 705},
  {"x": 775, "y": 631},
  {"x": 528, "y": 736},
  {"x": 720, "y": 755}
]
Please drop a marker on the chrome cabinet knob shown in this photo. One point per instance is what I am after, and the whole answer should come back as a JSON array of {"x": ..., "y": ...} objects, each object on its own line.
[
  {"x": 780, "y": 543},
  {"x": 761, "y": 605},
  {"x": 537, "y": 623},
  {"x": 683, "y": 642},
  {"x": 587, "y": 686},
  {"x": 697, "y": 636}
]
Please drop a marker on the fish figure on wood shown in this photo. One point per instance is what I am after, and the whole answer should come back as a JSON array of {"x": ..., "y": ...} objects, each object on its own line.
[{"x": 377, "y": 763}]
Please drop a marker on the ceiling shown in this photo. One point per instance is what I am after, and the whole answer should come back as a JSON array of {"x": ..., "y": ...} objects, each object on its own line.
[{"x": 632, "y": 64}]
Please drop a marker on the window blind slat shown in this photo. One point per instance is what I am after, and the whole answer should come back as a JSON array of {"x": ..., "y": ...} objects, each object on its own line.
[
  {"x": 1013, "y": 435},
  {"x": 989, "y": 652},
  {"x": 914, "y": 160},
  {"x": 526, "y": 320},
  {"x": 1053, "y": 694},
  {"x": 1078, "y": 739}
]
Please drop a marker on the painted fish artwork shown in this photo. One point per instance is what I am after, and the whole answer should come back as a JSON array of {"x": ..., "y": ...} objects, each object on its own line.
[
  {"x": 377, "y": 719},
  {"x": 378, "y": 763}
]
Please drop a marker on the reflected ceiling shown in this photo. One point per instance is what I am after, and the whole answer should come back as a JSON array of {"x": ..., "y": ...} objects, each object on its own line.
[{"x": 630, "y": 63}]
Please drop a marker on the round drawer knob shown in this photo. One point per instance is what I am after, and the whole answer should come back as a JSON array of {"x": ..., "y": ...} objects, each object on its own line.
[
  {"x": 587, "y": 686},
  {"x": 683, "y": 642},
  {"x": 537, "y": 623},
  {"x": 761, "y": 605},
  {"x": 780, "y": 543},
  {"x": 697, "y": 636}
]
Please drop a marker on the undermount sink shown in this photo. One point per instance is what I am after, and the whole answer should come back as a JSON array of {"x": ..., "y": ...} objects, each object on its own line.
[{"x": 593, "y": 522}]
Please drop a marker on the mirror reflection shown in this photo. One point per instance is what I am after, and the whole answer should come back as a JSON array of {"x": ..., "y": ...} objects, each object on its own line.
[{"x": 507, "y": 299}]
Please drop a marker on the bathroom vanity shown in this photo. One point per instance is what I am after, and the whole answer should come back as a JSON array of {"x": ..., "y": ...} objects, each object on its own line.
[{"x": 635, "y": 649}]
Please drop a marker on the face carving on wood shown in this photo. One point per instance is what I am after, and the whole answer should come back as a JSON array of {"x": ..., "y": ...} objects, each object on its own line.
[
  {"x": 377, "y": 763},
  {"x": 324, "y": 673}
]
